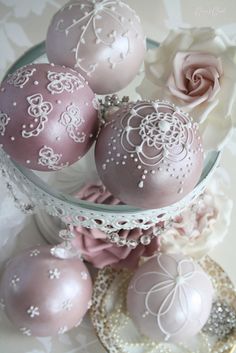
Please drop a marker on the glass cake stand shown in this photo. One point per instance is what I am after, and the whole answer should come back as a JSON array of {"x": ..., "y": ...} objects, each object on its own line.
[{"x": 34, "y": 194}]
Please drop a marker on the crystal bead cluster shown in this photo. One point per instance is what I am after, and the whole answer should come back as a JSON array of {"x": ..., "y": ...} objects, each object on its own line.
[
  {"x": 110, "y": 102},
  {"x": 145, "y": 239},
  {"x": 221, "y": 321}
]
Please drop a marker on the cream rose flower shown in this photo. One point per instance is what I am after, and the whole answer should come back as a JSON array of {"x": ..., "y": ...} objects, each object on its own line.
[
  {"x": 196, "y": 69},
  {"x": 203, "y": 225}
]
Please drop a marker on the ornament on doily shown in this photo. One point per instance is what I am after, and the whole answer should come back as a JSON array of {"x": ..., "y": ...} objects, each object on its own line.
[
  {"x": 119, "y": 334},
  {"x": 48, "y": 116},
  {"x": 169, "y": 298},
  {"x": 44, "y": 295},
  {"x": 149, "y": 155},
  {"x": 99, "y": 39},
  {"x": 222, "y": 320}
]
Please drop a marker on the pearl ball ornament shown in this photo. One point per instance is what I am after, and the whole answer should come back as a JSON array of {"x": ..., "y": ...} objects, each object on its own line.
[
  {"x": 170, "y": 298},
  {"x": 149, "y": 154},
  {"x": 103, "y": 40},
  {"x": 44, "y": 295},
  {"x": 48, "y": 118}
]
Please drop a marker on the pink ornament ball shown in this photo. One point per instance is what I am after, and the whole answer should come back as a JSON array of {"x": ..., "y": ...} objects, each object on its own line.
[
  {"x": 102, "y": 40},
  {"x": 170, "y": 298},
  {"x": 149, "y": 155},
  {"x": 44, "y": 295},
  {"x": 48, "y": 118}
]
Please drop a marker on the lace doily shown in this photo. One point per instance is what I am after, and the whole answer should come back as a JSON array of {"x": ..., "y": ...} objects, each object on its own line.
[{"x": 117, "y": 332}]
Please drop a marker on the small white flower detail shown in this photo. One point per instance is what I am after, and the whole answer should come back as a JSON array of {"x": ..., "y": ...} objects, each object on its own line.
[
  {"x": 4, "y": 120},
  {"x": 67, "y": 305},
  {"x": 15, "y": 280},
  {"x": 33, "y": 311},
  {"x": 25, "y": 331},
  {"x": 54, "y": 273},
  {"x": 84, "y": 275},
  {"x": 34, "y": 252},
  {"x": 2, "y": 304},
  {"x": 62, "y": 330}
]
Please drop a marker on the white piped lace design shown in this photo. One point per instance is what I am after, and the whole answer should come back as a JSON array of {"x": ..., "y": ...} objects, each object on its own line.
[
  {"x": 20, "y": 77},
  {"x": 178, "y": 287},
  {"x": 161, "y": 136},
  {"x": 72, "y": 120},
  {"x": 61, "y": 82},
  {"x": 39, "y": 110},
  {"x": 48, "y": 158}
]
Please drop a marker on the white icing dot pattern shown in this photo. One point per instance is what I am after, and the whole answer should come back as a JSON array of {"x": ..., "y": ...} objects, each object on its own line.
[
  {"x": 94, "y": 15},
  {"x": 54, "y": 273},
  {"x": 33, "y": 311}
]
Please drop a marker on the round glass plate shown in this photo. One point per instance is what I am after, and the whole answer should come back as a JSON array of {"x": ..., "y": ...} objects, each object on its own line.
[{"x": 50, "y": 196}]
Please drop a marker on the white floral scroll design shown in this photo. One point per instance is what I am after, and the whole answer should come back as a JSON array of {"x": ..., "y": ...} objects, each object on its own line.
[
  {"x": 39, "y": 110},
  {"x": 178, "y": 288},
  {"x": 95, "y": 13},
  {"x": 48, "y": 158},
  {"x": 72, "y": 120},
  {"x": 20, "y": 77},
  {"x": 4, "y": 120},
  {"x": 61, "y": 82},
  {"x": 161, "y": 135}
]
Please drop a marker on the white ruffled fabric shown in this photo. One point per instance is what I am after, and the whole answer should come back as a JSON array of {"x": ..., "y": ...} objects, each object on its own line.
[{"x": 197, "y": 231}]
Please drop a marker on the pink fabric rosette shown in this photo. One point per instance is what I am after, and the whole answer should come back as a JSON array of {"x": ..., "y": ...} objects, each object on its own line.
[{"x": 92, "y": 243}]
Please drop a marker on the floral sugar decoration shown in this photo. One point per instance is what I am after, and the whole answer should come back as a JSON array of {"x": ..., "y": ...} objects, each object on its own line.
[
  {"x": 203, "y": 224},
  {"x": 195, "y": 69}
]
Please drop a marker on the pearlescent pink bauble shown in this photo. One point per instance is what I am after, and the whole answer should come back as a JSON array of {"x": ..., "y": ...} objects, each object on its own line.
[
  {"x": 150, "y": 154},
  {"x": 48, "y": 118},
  {"x": 103, "y": 40},
  {"x": 44, "y": 295},
  {"x": 170, "y": 298}
]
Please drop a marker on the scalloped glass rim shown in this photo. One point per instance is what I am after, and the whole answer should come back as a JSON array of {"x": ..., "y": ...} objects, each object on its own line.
[{"x": 27, "y": 58}]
